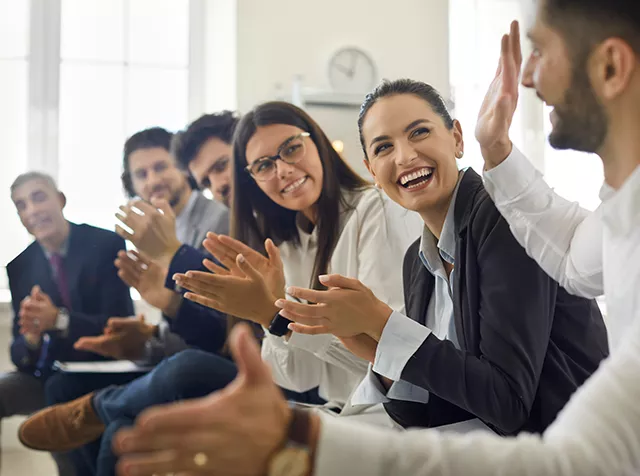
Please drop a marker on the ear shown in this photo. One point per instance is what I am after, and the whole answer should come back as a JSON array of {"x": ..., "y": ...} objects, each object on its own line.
[
  {"x": 457, "y": 135},
  {"x": 367, "y": 164},
  {"x": 611, "y": 67},
  {"x": 63, "y": 199}
]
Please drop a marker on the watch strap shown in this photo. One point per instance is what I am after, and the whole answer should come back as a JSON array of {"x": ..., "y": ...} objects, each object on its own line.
[{"x": 279, "y": 326}]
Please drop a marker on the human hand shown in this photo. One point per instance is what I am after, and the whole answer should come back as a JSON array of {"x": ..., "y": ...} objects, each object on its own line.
[
  {"x": 235, "y": 431},
  {"x": 348, "y": 308},
  {"x": 499, "y": 106},
  {"x": 148, "y": 278},
  {"x": 246, "y": 297},
  {"x": 226, "y": 251},
  {"x": 37, "y": 313},
  {"x": 123, "y": 338},
  {"x": 154, "y": 229}
]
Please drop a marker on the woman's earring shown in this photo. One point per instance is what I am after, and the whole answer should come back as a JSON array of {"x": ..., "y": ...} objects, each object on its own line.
[
  {"x": 460, "y": 154},
  {"x": 378, "y": 185}
]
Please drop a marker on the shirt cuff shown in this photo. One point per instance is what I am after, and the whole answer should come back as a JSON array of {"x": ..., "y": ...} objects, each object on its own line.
[
  {"x": 511, "y": 178},
  {"x": 407, "y": 392},
  {"x": 401, "y": 338},
  {"x": 370, "y": 391},
  {"x": 345, "y": 448}
]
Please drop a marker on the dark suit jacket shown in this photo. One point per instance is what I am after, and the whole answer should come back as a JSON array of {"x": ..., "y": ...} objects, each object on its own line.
[
  {"x": 198, "y": 326},
  {"x": 526, "y": 344},
  {"x": 95, "y": 290}
]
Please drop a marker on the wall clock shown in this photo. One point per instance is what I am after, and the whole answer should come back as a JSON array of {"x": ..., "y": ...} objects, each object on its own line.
[{"x": 352, "y": 70}]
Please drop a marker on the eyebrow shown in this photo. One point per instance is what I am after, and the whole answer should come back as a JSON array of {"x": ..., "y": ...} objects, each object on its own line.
[
  {"x": 280, "y": 147},
  {"x": 406, "y": 129}
]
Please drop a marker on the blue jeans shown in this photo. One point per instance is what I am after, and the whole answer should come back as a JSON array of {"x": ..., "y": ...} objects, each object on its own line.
[{"x": 186, "y": 375}]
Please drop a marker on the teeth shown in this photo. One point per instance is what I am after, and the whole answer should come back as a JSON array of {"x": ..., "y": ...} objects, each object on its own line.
[
  {"x": 294, "y": 185},
  {"x": 415, "y": 175}
]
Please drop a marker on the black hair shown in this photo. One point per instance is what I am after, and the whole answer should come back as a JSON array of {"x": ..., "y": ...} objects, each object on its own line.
[
  {"x": 404, "y": 86},
  {"x": 255, "y": 217},
  {"x": 187, "y": 144}
]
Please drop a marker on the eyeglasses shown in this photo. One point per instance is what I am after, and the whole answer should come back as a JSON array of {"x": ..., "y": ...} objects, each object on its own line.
[{"x": 291, "y": 152}]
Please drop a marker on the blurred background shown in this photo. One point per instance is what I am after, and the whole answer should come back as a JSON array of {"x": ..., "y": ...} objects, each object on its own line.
[{"x": 79, "y": 76}]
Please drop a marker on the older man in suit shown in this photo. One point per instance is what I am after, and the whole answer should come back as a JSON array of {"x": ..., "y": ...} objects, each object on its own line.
[{"x": 63, "y": 286}]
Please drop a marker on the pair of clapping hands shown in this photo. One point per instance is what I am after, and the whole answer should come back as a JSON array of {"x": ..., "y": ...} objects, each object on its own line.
[{"x": 245, "y": 283}]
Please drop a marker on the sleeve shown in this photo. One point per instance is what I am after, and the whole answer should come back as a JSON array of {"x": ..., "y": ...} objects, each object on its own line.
[
  {"x": 498, "y": 384},
  {"x": 114, "y": 300},
  {"x": 23, "y": 356},
  {"x": 597, "y": 434},
  {"x": 381, "y": 225},
  {"x": 187, "y": 258},
  {"x": 563, "y": 238},
  {"x": 200, "y": 326},
  {"x": 166, "y": 344}
]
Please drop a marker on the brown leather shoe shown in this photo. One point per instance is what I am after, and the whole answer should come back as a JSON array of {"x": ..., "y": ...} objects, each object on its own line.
[{"x": 62, "y": 427}]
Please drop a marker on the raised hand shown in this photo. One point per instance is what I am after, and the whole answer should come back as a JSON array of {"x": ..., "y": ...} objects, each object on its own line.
[
  {"x": 153, "y": 226},
  {"x": 348, "y": 308},
  {"x": 499, "y": 106},
  {"x": 123, "y": 338},
  {"x": 246, "y": 296},
  {"x": 227, "y": 249},
  {"x": 234, "y": 431},
  {"x": 148, "y": 278}
]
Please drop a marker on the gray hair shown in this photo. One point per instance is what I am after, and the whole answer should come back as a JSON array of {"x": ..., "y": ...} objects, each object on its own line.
[{"x": 29, "y": 176}]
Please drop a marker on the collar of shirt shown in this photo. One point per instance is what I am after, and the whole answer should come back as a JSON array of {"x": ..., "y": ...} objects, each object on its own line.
[
  {"x": 182, "y": 220},
  {"x": 308, "y": 232},
  {"x": 622, "y": 207},
  {"x": 64, "y": 249},
  {"x": 431, "y": 254}
]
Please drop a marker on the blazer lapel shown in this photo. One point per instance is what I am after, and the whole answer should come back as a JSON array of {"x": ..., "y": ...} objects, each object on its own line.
[{"x": 422, "y": 284}]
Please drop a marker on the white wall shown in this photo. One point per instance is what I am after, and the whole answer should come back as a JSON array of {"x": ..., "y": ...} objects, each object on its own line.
[{"x": 278, "y": 39}]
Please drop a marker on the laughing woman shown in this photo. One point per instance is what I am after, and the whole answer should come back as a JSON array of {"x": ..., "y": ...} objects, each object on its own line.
[{"x": 489, "y": 339}]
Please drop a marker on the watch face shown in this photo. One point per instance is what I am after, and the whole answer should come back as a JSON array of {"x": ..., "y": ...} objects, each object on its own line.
[
  {"x": 291, "y": 461},
  {"x": 351, "y": 70}
]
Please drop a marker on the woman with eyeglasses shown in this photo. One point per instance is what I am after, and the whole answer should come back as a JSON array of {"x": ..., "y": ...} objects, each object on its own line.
[
  {"x": 298, "y": 211},
  {"x": 296, "y": 199}
]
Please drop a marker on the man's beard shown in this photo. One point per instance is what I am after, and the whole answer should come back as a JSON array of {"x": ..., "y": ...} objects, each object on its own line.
[{"x": 582, "y": 123}]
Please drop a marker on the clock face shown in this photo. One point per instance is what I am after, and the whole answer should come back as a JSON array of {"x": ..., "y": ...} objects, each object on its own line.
[{"x": 351, "y": 70}]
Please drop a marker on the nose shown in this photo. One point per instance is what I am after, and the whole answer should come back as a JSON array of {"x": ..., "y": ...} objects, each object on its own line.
[
  {"x": 405, "y": 153},
  {"x": 283, "y": 169},
  {"x": 527, "y": 73}
]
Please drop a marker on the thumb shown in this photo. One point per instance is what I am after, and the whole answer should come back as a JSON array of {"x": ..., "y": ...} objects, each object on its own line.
[
  {"x": 247, "y": 269},
  {"x": 246, "y": 354},
  {"x": 36, "y": 291},
  {"x": 164, "y": 206},
  {"x": 273, "y": 252},
  {"x": 339, "y": 281}
]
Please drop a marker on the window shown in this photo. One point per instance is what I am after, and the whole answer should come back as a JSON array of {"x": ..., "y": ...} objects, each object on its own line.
[
  {"x": 14, "y": 84},
  {"x": 77, "y": 77},
  {"x": 124, "y": 67}
]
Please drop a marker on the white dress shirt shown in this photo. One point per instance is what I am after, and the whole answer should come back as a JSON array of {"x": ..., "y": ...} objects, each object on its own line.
[
  {"x": 373, "y": 240},
  {"x": 598, "y": 431},
  {"x": 402, "y": 336}
]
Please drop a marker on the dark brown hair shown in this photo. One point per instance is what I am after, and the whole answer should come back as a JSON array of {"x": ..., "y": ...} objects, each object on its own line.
[{"x": 255, "y": 217}]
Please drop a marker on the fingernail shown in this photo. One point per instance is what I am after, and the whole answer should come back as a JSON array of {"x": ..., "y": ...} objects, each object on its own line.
[
  {"x": 323, "y": 278},
  {"x": 189, "y": 274},
  {"x": 241, "y": 258},
  {"x": 290, "y": 290},
  {"x": 176, "y": 277},
  {"x": 280, "y": 303},
  {"x": 291, "y": 327}
]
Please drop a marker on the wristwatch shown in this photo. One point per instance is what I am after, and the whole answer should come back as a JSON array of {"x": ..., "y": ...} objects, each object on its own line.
[
  {"x": 279, "y": 326},
  {"x": 62, "y": 322},
  {"x": 295, "y": 458}
]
